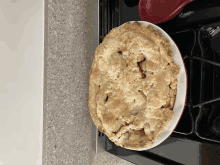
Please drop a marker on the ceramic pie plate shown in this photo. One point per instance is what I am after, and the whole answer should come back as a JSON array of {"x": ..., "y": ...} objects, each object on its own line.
[{"x": 181, "y": 89}]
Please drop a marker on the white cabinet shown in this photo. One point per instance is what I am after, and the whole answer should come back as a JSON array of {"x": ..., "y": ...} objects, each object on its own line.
[{"x": 21, "y": 81}]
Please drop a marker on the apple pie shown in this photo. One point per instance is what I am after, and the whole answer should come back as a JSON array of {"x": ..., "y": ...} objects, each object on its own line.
[{"x": 133, "y": 85}]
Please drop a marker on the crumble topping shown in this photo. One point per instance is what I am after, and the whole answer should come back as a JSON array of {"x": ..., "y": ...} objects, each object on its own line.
[{"x": 133, "y": 85}]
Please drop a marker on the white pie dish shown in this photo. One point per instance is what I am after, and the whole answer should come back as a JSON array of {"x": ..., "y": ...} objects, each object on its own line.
[{"x": 181, "y": 89}]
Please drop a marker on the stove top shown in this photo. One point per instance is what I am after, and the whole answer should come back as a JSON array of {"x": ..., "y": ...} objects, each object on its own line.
[{"x": 197, "y": 39}]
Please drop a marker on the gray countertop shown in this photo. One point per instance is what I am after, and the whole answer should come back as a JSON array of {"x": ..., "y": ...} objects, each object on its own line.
[{"x": 69, "y": 50}]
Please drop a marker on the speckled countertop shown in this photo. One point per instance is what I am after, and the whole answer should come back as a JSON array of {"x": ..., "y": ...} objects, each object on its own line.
[{"x": 69, "y": 50}]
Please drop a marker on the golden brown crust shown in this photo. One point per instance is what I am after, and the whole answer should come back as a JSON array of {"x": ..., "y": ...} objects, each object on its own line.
[{"x": 133, "y": 85}]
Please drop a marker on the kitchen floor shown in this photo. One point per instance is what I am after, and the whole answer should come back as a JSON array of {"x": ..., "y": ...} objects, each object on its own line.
[{"x": 71, "y": 33}]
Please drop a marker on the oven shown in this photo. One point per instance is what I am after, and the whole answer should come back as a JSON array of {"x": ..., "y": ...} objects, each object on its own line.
[{"x": 196, "y": 31}]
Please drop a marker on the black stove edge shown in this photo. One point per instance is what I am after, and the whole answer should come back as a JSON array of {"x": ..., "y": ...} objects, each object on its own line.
[
  {"x": 145, "y": 157},
  {"x": 140, "y": 156}
]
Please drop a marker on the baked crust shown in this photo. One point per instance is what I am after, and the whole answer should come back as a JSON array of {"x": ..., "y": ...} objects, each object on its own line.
[{"x": 133, "y": 84}]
